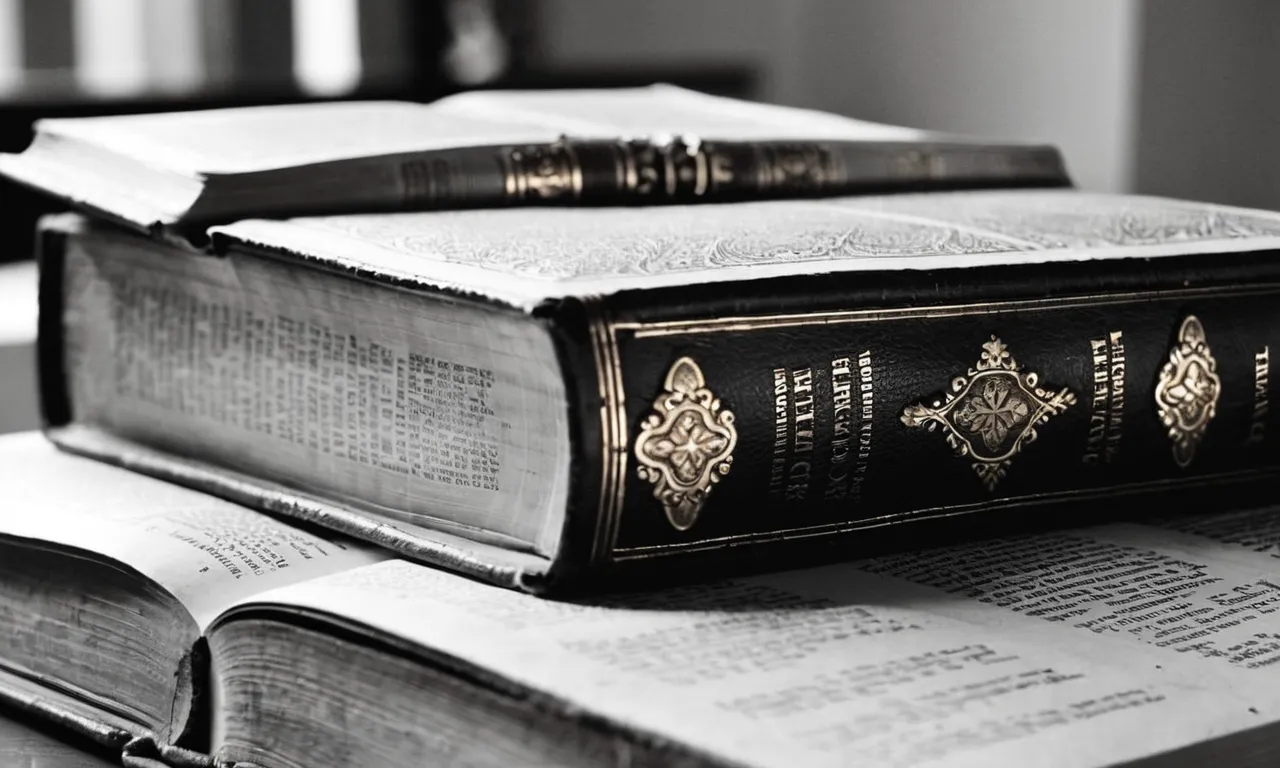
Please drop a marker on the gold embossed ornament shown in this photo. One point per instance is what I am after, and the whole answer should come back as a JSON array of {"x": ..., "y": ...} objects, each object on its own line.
[
  {"x": 991, "y": 413},
  {"x": 686, "y": 444},
  {"x": 1188, "y": 389}
]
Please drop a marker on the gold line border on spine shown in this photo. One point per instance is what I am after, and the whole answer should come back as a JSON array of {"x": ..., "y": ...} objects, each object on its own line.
[
  {"x": 843, "y": 317},
  {"x": 932, "y": 513},
  {"x": 613, "y": 430}
]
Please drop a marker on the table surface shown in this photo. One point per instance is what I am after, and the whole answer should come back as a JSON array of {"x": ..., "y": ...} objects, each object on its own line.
[{"x": 22, "y": 746}]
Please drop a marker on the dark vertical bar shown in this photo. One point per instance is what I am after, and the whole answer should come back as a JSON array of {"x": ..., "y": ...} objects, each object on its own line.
[
  {"x": 48, "y": 37},
  {"x": 55, "y": 400},
  {"x": 428, "y": 28},
  {"x": 386, "y": 43},
  {"x": 262, "y": 37},
  {"x": 519, "y": 23},
  {"x": 248, "y": 45}
]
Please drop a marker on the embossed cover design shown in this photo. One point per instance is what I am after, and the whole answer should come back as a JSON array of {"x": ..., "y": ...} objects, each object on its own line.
[
  {"x": 991, "y": 413},
  {"x": 1188, "y": 391},
  {"x": 523, "y": 256},
  {"x": 686, "y": 445}
]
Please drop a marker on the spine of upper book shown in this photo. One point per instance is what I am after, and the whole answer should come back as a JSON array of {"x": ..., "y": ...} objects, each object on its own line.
[
  {"x": 677, "y": 170},
  {"x": 726, "y": 431}
]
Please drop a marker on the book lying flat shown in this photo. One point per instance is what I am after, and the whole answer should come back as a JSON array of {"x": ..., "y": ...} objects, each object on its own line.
[
  {"x": 643, "y": 145},
  {"x": 142, "y": 614},
  {"x": 557, "y": 397}
]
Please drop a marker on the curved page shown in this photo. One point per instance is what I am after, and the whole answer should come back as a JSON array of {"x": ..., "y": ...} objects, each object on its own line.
[
  {"x": 1074, "y": 648},
  {"x": 210, "y": 554}
]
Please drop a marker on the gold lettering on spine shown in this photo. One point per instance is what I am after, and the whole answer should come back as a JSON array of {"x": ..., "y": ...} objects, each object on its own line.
[
  {"x": 542, "y": 173},
  {"x": 866, "y": 398},
  {"x": 1115, "y": 412},
  {"x": 798, "y": 474},
  {"x": 1098, "y": 403},
  {"x": 781, "y": 432},
  {"x": 797, "y": 168},
  {"x": 841, "y": 428},
  {"x": 1261, "y": 395},
  {"x": 852, "y": 405},
  {"x": 1106, "y": 411},
  {"x": 802, "y": 389},
  {"x": 721, "y": 170}
]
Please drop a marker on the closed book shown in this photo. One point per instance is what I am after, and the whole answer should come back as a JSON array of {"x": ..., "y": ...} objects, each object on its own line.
[
  {"x": 166, "y": 627},
  {"x": 559, "y": 398},
  {"x": 173, "y": 172}
]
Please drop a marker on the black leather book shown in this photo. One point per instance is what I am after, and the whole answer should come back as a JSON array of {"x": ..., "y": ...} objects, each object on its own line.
[
  {"x": 555, "y": 397},
  {"x": 174, "y": 172}
]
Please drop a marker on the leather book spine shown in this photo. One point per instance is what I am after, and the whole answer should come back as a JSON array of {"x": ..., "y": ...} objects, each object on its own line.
[
  {"x": 833, "y": 409},
  {"x": 685, "y": 170}
]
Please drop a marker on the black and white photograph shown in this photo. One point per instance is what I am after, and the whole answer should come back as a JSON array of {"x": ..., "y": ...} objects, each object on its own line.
[{"x": 691, "y": 383}]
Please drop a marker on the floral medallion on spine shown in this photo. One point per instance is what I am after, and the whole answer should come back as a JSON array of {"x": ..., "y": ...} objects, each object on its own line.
[
  {"x": 991, "y": 412},
  {"x": 686, "y": 444}
]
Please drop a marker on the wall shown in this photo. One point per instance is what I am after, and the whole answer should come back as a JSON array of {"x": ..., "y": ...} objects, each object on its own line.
[
  {"x": 1058, "y": 72},
  {"x": 1208, "y": 114}
]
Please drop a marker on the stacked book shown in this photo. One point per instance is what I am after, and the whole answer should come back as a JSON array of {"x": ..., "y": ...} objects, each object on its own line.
[{"x": 625, "y": 428}]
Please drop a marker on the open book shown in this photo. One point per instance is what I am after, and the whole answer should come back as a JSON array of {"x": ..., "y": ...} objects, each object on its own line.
[
  {"x": 644, "y": 145},
  {"x": 1090, "y": 647}
]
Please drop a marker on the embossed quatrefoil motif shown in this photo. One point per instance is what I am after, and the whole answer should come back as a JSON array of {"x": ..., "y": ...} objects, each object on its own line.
[
  {"x": 686, "y": 444},
  {"x": 991, "y": 412},
  {"x": 1188, "y": 389}
]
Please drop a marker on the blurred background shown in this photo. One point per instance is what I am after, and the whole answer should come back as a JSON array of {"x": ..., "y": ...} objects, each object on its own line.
[{"x": 1165, "y": 97}]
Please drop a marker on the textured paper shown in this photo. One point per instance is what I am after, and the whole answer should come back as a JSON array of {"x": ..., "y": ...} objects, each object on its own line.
[
  {"x": 527, "y": 255},
  {"x": 1075, "y": 648},
  {"x": 208, "y": 553}
]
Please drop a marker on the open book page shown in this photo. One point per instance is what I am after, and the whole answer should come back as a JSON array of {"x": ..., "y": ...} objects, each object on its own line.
[
  {"x": 664, "y": 110},
  {"x": 207, "y": 552},
  {"x": 1072, "y": 648},
  {"x": 248, "y": 139},
  {"x": 522, "y": 256}
]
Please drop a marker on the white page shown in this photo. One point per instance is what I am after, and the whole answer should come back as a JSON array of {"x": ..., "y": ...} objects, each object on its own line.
[
  {"x": 250, "y": 139},
  {"x": 207, "y": 552},
  {"x": 262, "y": 138},
  {"x": 523, "y": 256},
  {"x": 432, "y": 414},
  {"x": 664, "y": 110},
  {"x": 811, "y": 667}
]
